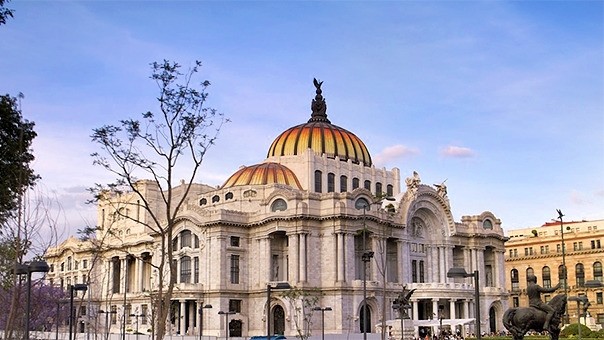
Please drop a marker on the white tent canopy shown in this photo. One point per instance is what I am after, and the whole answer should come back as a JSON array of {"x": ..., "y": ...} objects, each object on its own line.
[{"x": 445, "y": 322}]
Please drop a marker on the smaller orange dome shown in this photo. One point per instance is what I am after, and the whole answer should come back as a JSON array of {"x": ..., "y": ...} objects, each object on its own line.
[{"x": 262, "y": 174}]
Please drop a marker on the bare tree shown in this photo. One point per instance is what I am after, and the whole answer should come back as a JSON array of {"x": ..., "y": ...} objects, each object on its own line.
[
  {"x": 154, "y": 148},
  {"x": 302, "y": 302}
]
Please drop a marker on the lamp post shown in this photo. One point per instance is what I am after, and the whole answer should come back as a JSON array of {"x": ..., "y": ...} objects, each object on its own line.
[
  {"x": 322, "y": 310},
  {"x": 269, "y": 288},
  {"x": 31, "y": 267},
  {"x": 226, "y": 314},
  {"x": 137, "y": 316},
  {"x": 72, "y": 288},
  {"x": 208, "y": 306},
  {"x": 365, "y": 257},
  {"x": 460, "y": 272},
  {"x": 401, "y": 307},
  {"x": 565, "y": 277}
]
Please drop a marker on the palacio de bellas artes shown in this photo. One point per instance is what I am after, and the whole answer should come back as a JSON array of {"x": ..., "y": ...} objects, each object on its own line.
[{"x": 315, "y": 217}]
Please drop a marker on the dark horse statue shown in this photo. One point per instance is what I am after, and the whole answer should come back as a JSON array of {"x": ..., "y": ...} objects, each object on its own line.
[{"x": 520, "y": 320}]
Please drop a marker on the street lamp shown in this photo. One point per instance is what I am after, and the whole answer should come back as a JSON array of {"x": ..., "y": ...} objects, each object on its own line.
[
  {"x": 106, "y": 321},
  {"x": 31, "y": 267},
  {"x": 137, "y": 316},
  {"x": 322, "y": 310},
  {"x": 278, "y": 286},
  {"x": 400, "y": 307},
  {"x": 208, "y": 306},
  {"x": 365, "y": 257},
  {"x": 460, "y": 272},
  {"x": 226, "y": 314},
  {"x": 76, "y": 287},
  {"x": 580, "y": 300},
  {"x": 560, "y": 215}
]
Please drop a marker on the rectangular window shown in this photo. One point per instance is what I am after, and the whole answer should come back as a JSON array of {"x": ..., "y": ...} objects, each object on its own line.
[
  {"x": 558, "y": 248},
  {"x": 575, "y": 246},
  {"x": 144, "y": 314},
  {"x": 235, "y": 306},
  {"x": 421, "y": 271},
  {"x": 526, "y": 252},
  {"x": 515, "y": 252},
  {"x": 593, "y": 244},
  {"x": 516, "y": 301},
  {"x": 85, "y": 264},
  {"x": 113, "y": 314},
  {"x": 235, "y": 241},
  {"x": 235, "y": 269},
  {"x": 599, "y": 298},
  {"x": 355, "y": 183},
  {"x": 414, "y": 271},
  {"x": 196, "y": 270},
  {"x": 82, "y": 310}
]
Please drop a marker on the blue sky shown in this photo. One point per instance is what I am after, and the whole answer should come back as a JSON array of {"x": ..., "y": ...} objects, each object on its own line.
[{"x": 504, "y": 100}]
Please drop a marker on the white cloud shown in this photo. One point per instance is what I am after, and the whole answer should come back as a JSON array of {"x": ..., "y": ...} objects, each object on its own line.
[
  {"x": 457, "y": 152},
  {"x": 394, "y": 152}
]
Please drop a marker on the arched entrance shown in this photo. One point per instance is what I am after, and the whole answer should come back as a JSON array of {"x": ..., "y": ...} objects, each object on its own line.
[
  {"x": 365, "y": 328},
  {"x": 492, "y": 320},
  {"x": 278, "y": 316}
]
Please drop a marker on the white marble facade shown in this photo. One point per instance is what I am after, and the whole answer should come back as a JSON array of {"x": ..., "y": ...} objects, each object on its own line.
[{"x": 233, "y": 241}]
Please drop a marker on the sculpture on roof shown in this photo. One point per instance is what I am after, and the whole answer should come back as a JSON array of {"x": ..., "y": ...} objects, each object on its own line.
[
  {"x": 414, "y": 181},
  {"x": 318, "y": 106},
  {"x": 441, "y": 189}
]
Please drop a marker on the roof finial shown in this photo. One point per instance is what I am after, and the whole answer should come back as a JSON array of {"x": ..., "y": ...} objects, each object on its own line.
[{"x": 318, "y": 106}]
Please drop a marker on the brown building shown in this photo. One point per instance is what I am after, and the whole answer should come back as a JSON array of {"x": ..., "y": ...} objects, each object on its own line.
[{"x": 539, "y": 251}]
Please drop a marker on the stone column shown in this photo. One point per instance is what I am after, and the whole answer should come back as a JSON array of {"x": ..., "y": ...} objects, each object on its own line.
[
  {"x": 466, "y": 309},
  {"x": 349, "y": 258},
  {"x": 267, "y": 258},
  {"x": 403, "y": 265},
  {"x": 415, "y": 309},
  {"x": 377, "y": 258},
  {"x": 198, "y": 305},
  {"x": 123, "y": 271},
  {"x": 340, "y": 256},
  {"x": 429, "y": 264},
  {"x": 441, "y": 264},
  {"x": 138, "y": 286},
  {"x": 181, "y": 327},
  {"x": 452, "y": 309},
  {"x": 303, "y": 257},
  {"x": 435, "y": 308}
]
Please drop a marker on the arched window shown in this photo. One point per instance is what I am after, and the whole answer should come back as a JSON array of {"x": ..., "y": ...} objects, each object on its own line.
[
  {"x": 547, "y": 277},
  {"x": 279, "y": 205},
  {"x": 318, "y": 181},
  {"x": 514, "y": 279},
  {"x": 331, "y": 182},
  {"x": 203, "y": 201},
  {"x": 597, "y": 267},
  {"x": 196, "y": 242},
  {"x": 529, "y": 271},
  {"x": 215, "y": 199},
  {"x": 367, "y": 185},
  {"x": 487, "y": 224},
  {"x": 561, "y": 276},
  {"x": 185, "y": 239},
  {"x": 355, "y": 183},
  {"x": 228, "y": 196},
  {"x": 185, "y": 269},
  {"x": 235, "y": 328},
  {"x": 378, "y": 189},
  {"x": 580, "y": 274},
  {"x": 389, "y": 190},
  {"x": 343, "y": 183}
]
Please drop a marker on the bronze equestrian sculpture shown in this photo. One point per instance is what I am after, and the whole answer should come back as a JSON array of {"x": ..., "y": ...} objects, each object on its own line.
[{"x": 522, "y": 319}]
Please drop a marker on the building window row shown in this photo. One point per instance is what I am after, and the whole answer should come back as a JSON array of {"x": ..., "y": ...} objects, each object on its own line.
[
  {"x": 331, "y": 184},
  {"x": 546, "y": 275}
]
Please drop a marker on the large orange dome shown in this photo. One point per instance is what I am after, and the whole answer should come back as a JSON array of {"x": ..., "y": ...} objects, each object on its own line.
[
  {"x": 262, "y": 174},
  {"x": 321, "y": 136}
]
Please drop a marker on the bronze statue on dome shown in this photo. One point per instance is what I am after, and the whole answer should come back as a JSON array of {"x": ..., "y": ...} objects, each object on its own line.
[{"x": 318, "y": 106}]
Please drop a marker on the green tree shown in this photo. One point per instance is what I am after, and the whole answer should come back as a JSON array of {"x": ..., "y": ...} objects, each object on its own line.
[
  {"x": 16, "y": 136},
  {"x": 5, "y": 13},
  {"x": 173, "y": 139}
]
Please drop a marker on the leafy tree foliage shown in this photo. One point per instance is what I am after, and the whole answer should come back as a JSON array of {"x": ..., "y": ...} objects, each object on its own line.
[
  {"x": 154, "y": 148},
  {"x": 16, "y": 136},
  {"x": 46, "y": 303},
  {"x": 5, "y": 13}
]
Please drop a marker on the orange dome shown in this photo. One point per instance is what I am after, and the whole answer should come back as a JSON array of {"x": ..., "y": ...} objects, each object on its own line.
[
  {"x": 264, "y": 173},
  {"x": 321, "y": 136}
]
